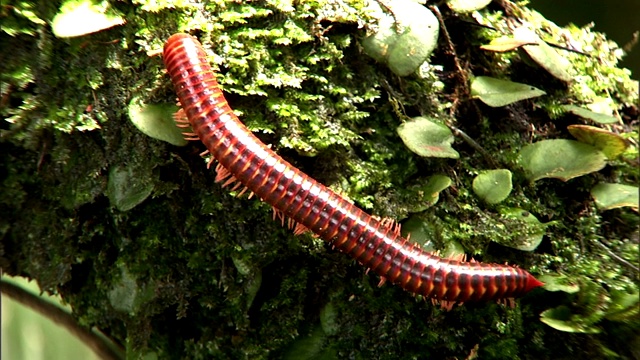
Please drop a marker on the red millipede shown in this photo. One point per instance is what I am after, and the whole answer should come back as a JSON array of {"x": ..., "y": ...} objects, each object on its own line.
[{"x": 374, "y": 243}]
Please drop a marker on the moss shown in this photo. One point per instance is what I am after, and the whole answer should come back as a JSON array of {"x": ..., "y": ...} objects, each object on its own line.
[{"x": 215, "y": 277}]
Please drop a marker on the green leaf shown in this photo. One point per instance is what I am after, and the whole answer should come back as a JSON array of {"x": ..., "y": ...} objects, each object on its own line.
[
  {"x": 427, "y": 191},
  {"x": 421, "y": 232},
  {"x": 493, "y": 186},
  {"x": 462, "y": 6},
  {"x": 406, "y": 36},
  {"x": 533, "y": 232},
  {"x": 624, "y": 305},
  {"x": 156, "y": 121},
  {"x": 377, "y": 45},
  {"x": 611, "y": 144},
  {"x": 543, "y": 54},
  {"x": 560, "y": 159},
  {"x": 562, "y": 319},
  {"x": 126, "y": 188},
  {"x": 559, "y": 282},
  {"x": 495, "y": 92},
  {"x": 590, "y": 115},
  {"x": 81, "y": 17},
  {"x": 612, "y": 196},
  {"x": 435, "y": 184},
  {"x": 427, "y": 138}
]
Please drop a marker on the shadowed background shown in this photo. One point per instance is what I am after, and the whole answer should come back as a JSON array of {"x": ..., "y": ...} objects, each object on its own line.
[{"x": 619, "y": 19}]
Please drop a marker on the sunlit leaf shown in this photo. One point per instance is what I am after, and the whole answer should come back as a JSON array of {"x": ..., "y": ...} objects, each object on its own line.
[
  {"x": 156, "y": 121},
  {"x": 28, "y": 334},
  {"x": 495, "y": 92},
  {"x": 611, "y": 144},
  {"x": 427, "y": 138},
  {"x": 504, "y": 43},
  {"x": 405, "y": 38},
  {"x": 82, "y": 17},
  {"x": 560, "y": 159},
  {"x": 559, "y": 282},
  {"x": 611, "y": 196},
  {"x": 493, "y": 186},
  {"x": 543, "y": 54},
  {"x": 591, "y": 115},
  {"x": 462, "y": 6}
]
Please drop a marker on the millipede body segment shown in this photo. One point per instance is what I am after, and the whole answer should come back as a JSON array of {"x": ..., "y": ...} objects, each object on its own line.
[{"x": 374, "y": 243}]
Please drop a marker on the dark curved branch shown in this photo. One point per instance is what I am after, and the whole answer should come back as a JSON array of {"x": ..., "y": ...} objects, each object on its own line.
[{"x": 96, "y": 343}]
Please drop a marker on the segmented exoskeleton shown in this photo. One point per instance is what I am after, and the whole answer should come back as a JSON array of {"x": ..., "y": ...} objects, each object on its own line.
[{"x": 374, "y": 243}]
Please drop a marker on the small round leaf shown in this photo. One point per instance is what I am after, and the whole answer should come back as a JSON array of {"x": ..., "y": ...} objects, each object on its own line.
[
  {"x": 405, "y": 38},
  {"x": 493, "y": 186},
  {"x": 156, "y": 121},
  {"x": 126, "y": 188},
  {"x": 421, "y": 232},
  {"x": 531, "y": 231},
  {"x": 427, "y": 138}
]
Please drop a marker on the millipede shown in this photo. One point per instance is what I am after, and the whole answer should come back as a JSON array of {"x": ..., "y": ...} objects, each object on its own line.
[{"x": 243, "y": 160}]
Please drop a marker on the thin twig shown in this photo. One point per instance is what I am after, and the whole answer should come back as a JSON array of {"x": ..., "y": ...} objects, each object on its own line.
[
  {"x": 475, "y": 145},
  {"x": 445, "y": 33},
  {"x": 489, "y": 27},
  {"x": 616, "y": 257}
]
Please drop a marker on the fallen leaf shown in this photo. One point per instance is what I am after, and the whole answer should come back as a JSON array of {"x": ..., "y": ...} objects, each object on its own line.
[{"x": 611, "y": 144}]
